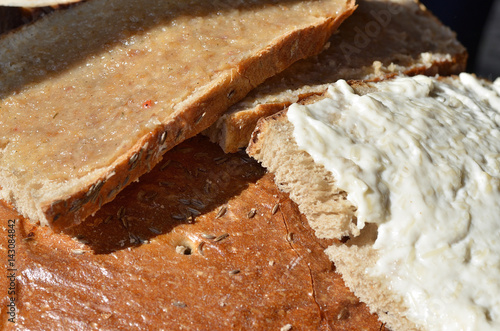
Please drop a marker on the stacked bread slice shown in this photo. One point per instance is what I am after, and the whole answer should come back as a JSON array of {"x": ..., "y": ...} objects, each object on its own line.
[
  {"x": 92, "y": 97},
  {"x": 381, "y": 39}
]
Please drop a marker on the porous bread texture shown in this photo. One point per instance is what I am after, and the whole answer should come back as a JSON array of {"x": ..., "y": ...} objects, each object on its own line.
[
  {"x": 310, "y": 185},
  {"x": 351, "y": 260},
  {"x": 66, "y": 202},
  {"x": 381, "y": 39}
]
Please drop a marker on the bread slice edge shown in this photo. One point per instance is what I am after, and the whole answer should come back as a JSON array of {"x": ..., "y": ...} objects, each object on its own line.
[{"x": 71, "y": 203}]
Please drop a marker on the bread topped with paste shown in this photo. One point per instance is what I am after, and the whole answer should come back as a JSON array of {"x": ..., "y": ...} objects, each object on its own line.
[
  {"x": 379, "y": 208},
  {"x": 404, "y": 173}
]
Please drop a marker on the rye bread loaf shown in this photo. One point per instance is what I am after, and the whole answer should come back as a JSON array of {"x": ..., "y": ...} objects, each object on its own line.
[
  {"x": 92, "y": 96},
  {"x": 381, "y": 39},
  {"x": 157, "y": 257},
  {"x": 359, "y": 252}
]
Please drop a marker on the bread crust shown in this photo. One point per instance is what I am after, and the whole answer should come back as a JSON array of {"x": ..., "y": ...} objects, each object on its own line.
[
  {"x": 269, "y": 272},
  {"x": 191, "y": 116},
  {"x": 400, "y": 43}
]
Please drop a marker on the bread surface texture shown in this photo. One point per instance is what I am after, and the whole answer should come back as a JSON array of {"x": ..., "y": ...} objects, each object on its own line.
[
  {"x": 92, "y": 96},
  {"x": 205, "y": 241},
  {"x": 381, "y": 39},
  {"x": 417, "y": 150},
  {"x": 311, "y": 186}
]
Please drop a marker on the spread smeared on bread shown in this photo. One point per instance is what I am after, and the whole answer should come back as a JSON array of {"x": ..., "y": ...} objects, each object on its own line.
[{"x": 419, "y": 159}]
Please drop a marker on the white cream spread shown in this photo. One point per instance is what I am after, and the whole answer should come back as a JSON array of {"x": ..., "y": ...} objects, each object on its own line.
[{"x": 421, "y": 158}]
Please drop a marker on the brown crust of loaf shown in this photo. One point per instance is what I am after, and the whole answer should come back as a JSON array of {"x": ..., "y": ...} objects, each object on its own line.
[
  {"x": 233, "y": 130},
  {"x": 125, "y": 257},
  {"x": 196, "y": 115}
]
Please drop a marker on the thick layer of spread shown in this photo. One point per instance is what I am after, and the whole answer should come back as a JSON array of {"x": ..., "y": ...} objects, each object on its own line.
[
  {"x": 420, "y": 157},
  {"x": 76, "y": 102}
]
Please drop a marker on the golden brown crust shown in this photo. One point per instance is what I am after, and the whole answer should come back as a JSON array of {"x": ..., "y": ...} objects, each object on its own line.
[{"x": 123, "y": 268}]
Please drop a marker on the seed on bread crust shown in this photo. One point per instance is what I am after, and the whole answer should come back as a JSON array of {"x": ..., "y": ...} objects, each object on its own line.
[
  {"x": 221, "y": 237},
  {"x": 163, "y": 137},
  {"x": 164, "y": 165},
  {"x": 221, "y": 212},
  {"x": 200, "y": 248},
  {"x": 121, "y": 212},
  {"x": 252, "y": 213},
  {"x": 275, "y": 209}
]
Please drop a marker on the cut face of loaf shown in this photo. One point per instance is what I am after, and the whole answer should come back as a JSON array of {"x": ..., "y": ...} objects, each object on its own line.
[
  {"x": 382, "y": 38},
  {"x": 91, "y": 97},
  {"x": 419, "y": 160},
  {"x": 309, "y": 184}
]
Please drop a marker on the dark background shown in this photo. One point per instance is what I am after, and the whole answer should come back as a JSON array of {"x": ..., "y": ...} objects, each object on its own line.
[{"x": 467, "y": 18}]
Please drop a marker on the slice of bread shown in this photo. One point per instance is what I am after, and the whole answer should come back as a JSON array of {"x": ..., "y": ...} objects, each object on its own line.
[
  {"x": 382, "y": 38},
  {"x": 92, "y": 96},
  {"x": 413, "y": 271},
  {"x": 151, "y": 257}
]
